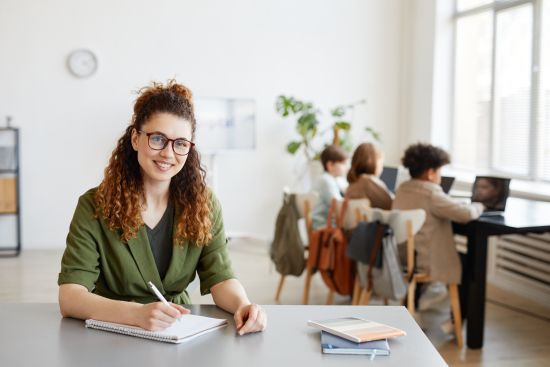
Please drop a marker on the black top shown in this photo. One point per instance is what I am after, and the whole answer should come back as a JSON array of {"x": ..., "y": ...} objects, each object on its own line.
[{"x": 160, "y": 240}]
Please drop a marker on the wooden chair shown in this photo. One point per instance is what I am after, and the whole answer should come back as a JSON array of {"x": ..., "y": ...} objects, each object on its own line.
[
  {"x": 417, "y": 278},
  {"x": 304, "y": 204},
  {"x": 405, "y": 224},
  {"x": 354, "y": 214}
]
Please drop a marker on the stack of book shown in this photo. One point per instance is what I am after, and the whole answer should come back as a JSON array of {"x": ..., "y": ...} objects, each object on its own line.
[{"x": 350, "y": 335}]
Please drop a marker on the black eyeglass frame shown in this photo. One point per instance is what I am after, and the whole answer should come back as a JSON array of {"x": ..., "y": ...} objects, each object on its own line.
[{"x": 168, "y": 140}]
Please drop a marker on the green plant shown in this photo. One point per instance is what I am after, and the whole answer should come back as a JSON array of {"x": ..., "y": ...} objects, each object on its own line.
[{"x": 307, "y": 125}]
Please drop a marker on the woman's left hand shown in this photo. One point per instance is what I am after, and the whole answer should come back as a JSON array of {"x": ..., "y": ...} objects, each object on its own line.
[{"x": 250, "y": 318}]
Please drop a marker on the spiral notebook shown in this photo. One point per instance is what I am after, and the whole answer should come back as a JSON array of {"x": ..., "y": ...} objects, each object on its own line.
[{"x": 189, "y": 327}]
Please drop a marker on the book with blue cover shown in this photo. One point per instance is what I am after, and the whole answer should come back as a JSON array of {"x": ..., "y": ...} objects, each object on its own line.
[{"x": 332, "y": 344}]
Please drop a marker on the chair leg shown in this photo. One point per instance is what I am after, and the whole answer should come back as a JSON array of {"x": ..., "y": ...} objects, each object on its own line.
[
  {"x": 365, "y": 297},
  {"x": 330, "y": 297},
  {"x": 356, "y": 291},
  {"x": 307, "y": 284},
  {"x": 455, "y": 306},
  {"x": 386, "y": 302},
  {"x": 410, "y": 296},
  {"x": 280, "y": 287}
]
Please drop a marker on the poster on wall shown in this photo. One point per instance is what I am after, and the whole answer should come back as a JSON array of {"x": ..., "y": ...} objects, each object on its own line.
[{"x": 225, "y": 124}]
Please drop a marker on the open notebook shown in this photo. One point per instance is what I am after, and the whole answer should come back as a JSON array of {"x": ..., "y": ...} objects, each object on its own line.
[{"x": 189, "y": 327}]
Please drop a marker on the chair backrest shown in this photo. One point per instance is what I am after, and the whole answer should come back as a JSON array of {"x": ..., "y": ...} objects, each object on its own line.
[
  {"x": 356, "y": 211},
  {"x": 404, "y": 223},
  {"x": 401, "y": 220}
]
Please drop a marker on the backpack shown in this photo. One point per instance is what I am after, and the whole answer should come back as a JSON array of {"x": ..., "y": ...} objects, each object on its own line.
[
  {"x": 287, "y": 248},
  {"x": 382, "y": 273},
  {"x": 327, "y": 253}
]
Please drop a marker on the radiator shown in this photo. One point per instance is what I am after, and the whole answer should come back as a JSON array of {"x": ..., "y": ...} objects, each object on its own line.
[{"x": 521, "y": 264}]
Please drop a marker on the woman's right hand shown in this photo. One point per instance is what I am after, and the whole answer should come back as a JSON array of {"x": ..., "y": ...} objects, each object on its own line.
[{"x": 157, "y": 316}]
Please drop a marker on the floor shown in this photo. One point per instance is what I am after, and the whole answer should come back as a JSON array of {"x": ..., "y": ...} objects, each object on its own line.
[{"x": 517, "y": 331}]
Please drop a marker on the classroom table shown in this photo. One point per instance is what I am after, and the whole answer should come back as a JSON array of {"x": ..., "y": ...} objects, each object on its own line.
[
  {"x": 34, "y": 334},
  {"x": 521, "y": 216}
]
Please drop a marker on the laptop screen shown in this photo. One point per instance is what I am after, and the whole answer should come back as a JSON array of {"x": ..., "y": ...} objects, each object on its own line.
[
  {"x": 447, "y": 183},
  {"x": 389, "y": 176},
  {"x": 491, "y": 192}
]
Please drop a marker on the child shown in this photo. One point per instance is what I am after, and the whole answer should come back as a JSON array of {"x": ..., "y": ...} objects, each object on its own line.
[
  {"x": 334, "y": 160},
  {"x": 363, "y": 177},
  {"x": 434, "y": 244}
]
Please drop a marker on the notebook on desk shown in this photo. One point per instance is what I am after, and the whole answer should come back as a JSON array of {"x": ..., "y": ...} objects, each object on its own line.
[
  {"x": 492, "y": 192},
  {"x": 332, "y": 344},
  {"x": 357, "y": 330},
  {"x": 189, "y": 327}
]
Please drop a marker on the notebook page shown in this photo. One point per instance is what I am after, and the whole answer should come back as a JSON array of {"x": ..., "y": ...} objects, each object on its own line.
[{"x": 189, "y": 327}]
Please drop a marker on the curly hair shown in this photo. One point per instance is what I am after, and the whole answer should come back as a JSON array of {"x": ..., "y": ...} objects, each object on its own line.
[
  {"x": 419, "y": 158},
  {"x": 364, "y": 160},
  {"x": 120, "y": 196}
]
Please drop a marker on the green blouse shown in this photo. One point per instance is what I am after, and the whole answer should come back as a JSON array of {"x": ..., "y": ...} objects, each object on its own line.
[{"x": 98, "y": 259}]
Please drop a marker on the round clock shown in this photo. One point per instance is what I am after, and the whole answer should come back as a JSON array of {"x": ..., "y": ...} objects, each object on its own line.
[{"x": 82, "y": 63}]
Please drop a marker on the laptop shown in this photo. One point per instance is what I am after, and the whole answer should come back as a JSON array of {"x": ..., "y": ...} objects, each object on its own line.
[
  {"x": 447, "y": 183},
  {"x": 389, "y": 176},
  {"x": 492, "y": 192}
]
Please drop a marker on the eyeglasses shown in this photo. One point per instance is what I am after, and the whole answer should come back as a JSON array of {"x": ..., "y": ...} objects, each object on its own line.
[{"x": 159, "y": 141}]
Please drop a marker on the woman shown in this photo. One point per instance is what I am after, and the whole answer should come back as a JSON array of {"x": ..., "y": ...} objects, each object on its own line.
[
  {"x": 152, "y": 218},
  {"x": 367, "y": 163}
]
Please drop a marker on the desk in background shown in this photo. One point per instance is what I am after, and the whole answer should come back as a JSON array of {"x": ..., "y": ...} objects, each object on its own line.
[
  {"x": 36, "y": 335},
  {"x": 521, "y": 216}
]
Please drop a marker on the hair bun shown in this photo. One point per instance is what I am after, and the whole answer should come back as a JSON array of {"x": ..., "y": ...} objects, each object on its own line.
[{"x": 180, "y": 89}]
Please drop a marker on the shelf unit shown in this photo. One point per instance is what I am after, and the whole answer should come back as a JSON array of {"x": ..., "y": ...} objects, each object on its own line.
[{"x": 10, "y": 186}]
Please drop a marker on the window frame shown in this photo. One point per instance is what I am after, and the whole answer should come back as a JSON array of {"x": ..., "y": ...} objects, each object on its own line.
[{"x": 534, "y": 170}]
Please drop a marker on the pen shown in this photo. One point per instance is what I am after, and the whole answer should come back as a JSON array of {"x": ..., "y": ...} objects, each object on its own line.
[
  {"x": 159, "y": 295},
  {"x": 373, "y": 354}
]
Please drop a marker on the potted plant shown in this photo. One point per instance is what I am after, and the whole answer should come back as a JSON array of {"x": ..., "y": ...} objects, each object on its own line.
[{"x": 307, "y": 125}]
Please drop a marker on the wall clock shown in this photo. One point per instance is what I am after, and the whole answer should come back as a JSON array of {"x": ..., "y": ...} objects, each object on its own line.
[{"x": 82, "y": 63}]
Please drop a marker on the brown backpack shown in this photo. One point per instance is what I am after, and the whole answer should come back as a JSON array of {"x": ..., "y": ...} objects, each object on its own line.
[{"x": 327, "y": 253}]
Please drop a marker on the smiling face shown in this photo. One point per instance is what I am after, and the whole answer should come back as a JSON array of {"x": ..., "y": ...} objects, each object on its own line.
[{"x": 161, "y": 165}]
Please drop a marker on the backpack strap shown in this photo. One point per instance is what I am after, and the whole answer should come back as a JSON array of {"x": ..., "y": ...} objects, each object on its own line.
[
  {"x": 378, "y": 236},
  {"x": 331, "y": 213},
  {"x": 341, "y": 215}
]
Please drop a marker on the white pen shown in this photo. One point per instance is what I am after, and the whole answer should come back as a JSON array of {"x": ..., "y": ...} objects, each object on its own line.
[
  {"x": 159, "y": 295},
  {"x": 373, "y": 354}
]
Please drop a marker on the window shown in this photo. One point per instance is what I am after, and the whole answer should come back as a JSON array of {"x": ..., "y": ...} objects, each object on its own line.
[{"x": 501, "y": 99}]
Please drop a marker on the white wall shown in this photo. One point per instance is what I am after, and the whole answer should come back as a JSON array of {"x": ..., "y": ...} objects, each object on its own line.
[
  {"x": 427, "y": 72},
  {"x": 329, "y": 52}
]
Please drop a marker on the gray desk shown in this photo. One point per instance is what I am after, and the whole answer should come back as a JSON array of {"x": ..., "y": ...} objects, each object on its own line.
[{"x": 36, "y": 335}]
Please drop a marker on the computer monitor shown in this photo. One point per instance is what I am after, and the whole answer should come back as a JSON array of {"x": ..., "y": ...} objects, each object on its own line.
[
  {"x": 389, "y": 176},
  {"x": 447, "y": 183},
  {"x": 492, "y": 192}
]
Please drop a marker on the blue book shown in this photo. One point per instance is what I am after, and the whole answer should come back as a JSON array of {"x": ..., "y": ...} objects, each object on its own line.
[{"x": 332, "y": 344}]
